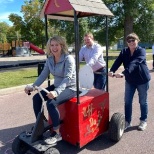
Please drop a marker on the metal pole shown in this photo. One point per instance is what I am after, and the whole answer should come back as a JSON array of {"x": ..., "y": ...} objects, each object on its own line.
[
  {"x": 46, "y": 36},
  {"x": 107, "y": 84},
  {"x": 46, "y": 28},
  {"x": 76, "y": 28}
]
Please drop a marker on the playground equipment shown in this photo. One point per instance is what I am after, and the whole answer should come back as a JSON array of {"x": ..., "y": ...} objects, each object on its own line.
[
  {"x": 19, "y": 49},
  {"x": 31, "y": 46},
  {"x": 22, "y": 52},
  {"x": 37, "y": 49},
  {"x": 5, "y": 48}
]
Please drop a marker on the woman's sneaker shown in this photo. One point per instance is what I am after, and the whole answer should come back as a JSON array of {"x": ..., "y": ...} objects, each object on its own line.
[
  {"x": 142, "y": 126},
  {"x": 55, "y": 137},
  {"x": 127, "y": 125}
]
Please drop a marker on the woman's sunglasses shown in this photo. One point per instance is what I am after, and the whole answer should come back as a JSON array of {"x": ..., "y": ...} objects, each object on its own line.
[{"x": 131, "y": 40}]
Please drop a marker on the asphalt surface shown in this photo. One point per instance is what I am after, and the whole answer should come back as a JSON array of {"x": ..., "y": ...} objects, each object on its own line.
[
  {"x": 17, "y": 116},
  {"x": 11, "y": 62}
]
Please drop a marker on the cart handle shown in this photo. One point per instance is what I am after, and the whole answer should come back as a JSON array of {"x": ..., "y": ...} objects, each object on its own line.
[
  {"x": 114, "y": 75},
  {"x": 39, "y": 89}
]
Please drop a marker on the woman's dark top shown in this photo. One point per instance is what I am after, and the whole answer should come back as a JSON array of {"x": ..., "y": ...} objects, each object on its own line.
[{"x": 136, "y": 70}]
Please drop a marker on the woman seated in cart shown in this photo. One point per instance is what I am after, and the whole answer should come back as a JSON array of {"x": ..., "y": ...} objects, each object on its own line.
[{"x": 62, "y": 66}]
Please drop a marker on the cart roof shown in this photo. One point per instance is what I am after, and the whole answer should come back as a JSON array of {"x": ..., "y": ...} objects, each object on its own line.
[{"x": 64, "y": 9}]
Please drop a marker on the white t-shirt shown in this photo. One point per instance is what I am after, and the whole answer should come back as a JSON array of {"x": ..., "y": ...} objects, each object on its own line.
[{"x": 93, "y": 56}]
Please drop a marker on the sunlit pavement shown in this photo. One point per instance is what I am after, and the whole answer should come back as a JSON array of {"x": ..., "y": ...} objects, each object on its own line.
[{"x": 17, "y": 116}]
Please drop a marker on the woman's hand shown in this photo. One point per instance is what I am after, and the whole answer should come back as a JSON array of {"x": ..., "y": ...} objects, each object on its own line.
[
  {"x": 111, "y": 74},
  {"x": 52, "y": 94},
  {"x": 119, "y": 75},
  {"x": 28, "y": 89}
]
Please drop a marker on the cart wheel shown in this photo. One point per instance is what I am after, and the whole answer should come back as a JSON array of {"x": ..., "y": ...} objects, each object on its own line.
[
  {"x": 19, "y": 147},
  {"x": 116, "y": 127},
  {"x": 51, "y": 151}
]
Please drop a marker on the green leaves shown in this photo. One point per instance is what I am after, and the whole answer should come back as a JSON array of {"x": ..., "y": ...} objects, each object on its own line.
[{"x": 129, "y": 16}]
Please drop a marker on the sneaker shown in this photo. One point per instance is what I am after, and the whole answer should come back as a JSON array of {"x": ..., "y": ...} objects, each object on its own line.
[
  {"x": 142, "y": 126},
  {"x": 127, "y": 125},
  {"x": 53, "y": 138}
]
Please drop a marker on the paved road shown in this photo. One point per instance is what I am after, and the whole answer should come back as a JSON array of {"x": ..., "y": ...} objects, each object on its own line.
[{"x": 17, "y": 115}]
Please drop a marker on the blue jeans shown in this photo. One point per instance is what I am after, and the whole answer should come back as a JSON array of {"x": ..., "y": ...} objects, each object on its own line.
[
  {"x": 100, "y": 79},
  {"x": 142, "y": 93},
  {"x": 52, "y": 104}
]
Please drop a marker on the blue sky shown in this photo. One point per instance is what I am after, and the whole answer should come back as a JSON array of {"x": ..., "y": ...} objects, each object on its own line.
[{"x": 10, "y": 6}]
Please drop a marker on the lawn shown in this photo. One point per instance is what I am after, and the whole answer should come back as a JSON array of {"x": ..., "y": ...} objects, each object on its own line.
[
  {"x": 25, "y": 76},
  {"x": 17, "y": 77}
]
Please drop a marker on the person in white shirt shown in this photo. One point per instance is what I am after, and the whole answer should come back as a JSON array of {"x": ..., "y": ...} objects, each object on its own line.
[{"x": 92, "y": 53}]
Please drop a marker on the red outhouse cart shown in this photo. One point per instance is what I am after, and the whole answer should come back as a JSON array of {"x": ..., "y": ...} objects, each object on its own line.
[{"x": 85, "y": 116}]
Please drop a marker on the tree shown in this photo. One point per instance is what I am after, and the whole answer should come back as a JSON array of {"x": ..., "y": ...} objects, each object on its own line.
[
  {"x": 31, "y": 27},
  {"x": 4, "y": 27},
  {"x": 129, "y": 16},
  {"x": 132, "y": 16},
  {"x": 138, "y": 14},
  {"x": 144, "y": 24},
  {"x": 66, "y": 29}
]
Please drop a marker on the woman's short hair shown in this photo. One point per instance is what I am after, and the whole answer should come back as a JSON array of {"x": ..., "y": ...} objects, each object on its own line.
[
  {"x": 60, "y": 40},
  {"x": 132, "y": 36}
]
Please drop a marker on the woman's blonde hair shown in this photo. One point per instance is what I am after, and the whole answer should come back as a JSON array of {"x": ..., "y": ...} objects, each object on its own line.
[{"x": 59, "y": 40}]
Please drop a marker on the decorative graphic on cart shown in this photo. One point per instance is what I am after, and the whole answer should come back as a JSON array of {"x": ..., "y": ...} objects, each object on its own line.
[{"x": 94, "y": 121}]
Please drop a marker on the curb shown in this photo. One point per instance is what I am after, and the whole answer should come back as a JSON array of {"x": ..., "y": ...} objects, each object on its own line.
[
  {"x": 11, "y": 90},
  {"x": 21, "y": 64}
]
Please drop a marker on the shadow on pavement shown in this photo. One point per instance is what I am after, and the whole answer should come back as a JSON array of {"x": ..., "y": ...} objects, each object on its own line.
[
  {"x": 100, "y": 143},
  {"x": 7, "y": 136}
]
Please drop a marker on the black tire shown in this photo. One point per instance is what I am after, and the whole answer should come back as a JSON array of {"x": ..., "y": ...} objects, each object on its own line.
[
  {"x": 51, "y": 151},
  {"x": 116, "y": 127},
  {"x": 19, "y": 147}
]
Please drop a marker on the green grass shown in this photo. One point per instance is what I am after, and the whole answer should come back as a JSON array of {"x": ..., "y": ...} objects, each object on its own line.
[
  {"x": 17, "y": 77},
  {"x": 25, "y": 76}
]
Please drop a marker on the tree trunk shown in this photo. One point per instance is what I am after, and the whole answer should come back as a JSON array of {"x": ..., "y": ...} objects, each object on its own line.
[
  {"x": 128, "y": 27},
  {"x": 128, "y": 21}
]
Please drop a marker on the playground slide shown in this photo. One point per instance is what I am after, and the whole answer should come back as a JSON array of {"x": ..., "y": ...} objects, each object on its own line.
[{"x": 37, "y": 49}]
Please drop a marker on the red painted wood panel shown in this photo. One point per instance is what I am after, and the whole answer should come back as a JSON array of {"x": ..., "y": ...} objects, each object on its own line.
[{"x": 85, "y": 121}]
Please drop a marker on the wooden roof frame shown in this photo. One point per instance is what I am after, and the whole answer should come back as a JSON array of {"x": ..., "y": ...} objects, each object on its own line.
[{"x": 64, "y": 9}]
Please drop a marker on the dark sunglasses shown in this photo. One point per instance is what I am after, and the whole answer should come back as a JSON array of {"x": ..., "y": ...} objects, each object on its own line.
[{"x": 132, "y": 40}]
